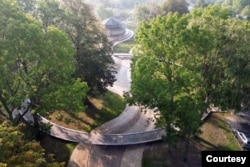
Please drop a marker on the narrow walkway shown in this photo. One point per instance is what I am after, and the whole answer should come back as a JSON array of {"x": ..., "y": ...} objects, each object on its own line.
[{"x": 96, "y": 138}]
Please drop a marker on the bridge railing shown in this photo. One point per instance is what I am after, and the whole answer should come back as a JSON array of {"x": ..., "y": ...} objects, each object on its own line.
[{"x": 131, "y": 138}]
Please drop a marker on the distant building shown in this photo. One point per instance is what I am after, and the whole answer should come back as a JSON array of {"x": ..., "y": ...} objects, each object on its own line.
[
  {"x": 113, "y": 27},
  {"x": 116, "y": 31}
]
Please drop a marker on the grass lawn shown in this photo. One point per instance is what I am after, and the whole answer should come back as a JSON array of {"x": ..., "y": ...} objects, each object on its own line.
[
  {"x": 215, "y": 135},
  {"x": 101, "y": 110},
  {"x": 124, "y": 47}
]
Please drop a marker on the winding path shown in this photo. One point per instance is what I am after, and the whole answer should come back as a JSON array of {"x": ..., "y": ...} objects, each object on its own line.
[
  {"x": 132, "y": 125},
  {"x": 108, "y": 145}
]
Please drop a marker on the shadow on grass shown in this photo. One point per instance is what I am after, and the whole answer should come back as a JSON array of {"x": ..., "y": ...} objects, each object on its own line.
[
  {"x": 201, "y": 140},
  {"x": 57, "y": 150},
  {"x": 112, "y": 106}
]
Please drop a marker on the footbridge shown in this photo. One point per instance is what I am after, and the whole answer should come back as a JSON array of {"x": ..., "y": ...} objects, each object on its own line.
[{"x": 96, "y": 138}]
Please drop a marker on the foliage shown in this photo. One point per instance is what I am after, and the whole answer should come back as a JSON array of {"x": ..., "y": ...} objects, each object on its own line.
[
  {"x": 30, "y": 62},
  {"x": 225, "y": 67},
  {"x": 180, "y": 6},
  {"x": 16, "y": 150},
  {"x": 68, "y": 97},
  {"x": 146, "y": 12},
  {"x": 186, "y": 63},
  {"x": 28, "y": 6},
  {"x": 92, "y": 49},
  {"x": 161, "y": 79}
]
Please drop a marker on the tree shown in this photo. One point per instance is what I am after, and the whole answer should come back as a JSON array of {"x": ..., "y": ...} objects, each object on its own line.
[
  {"x": 201, "y": 4},
  {"x": 28, "y": 6},
  {"x": 163, "y": 79},
  {"x": 14, "y": 53},
  {"x": 186, "y": 63},
  {"x": 94, "y": 63},
  {"x": 224, "y": 67},
  {"x": 146, "y": 12},
  {"x": 17, "y": 150},
  {"x": 180, "y": 6},
  {"x": 49, "y": 13},
  {"x": 30, "y": 64}
]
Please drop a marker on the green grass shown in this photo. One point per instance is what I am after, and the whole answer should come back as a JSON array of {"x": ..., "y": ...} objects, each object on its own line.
[
  {"x": 100, "y": 110},
  {"x": 216, "y": 135},
  {"x": 112, "y": 106},
  {"x": 124, "y": 47}
]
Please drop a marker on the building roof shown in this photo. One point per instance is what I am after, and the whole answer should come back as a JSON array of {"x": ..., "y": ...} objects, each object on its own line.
[{"x": 113, "y": 23}]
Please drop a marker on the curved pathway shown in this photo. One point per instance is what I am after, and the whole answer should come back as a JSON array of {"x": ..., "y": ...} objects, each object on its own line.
[
  {"x": 131, "y": 127},
  {"x": 118, "y": 156}
]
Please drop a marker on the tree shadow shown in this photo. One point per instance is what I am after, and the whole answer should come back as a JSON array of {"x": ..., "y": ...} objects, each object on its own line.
[
  {"x": 56, "y": 149},
  {"x": 201, "y": 140}
]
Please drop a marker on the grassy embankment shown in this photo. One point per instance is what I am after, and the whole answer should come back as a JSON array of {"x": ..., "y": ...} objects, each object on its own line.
[
  {"x": 101, "y": 110},
  {"x": 215, "y": 135}
]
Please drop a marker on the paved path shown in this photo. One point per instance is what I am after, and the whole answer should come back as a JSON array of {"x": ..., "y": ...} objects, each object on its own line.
[
  {"x": 109, "y": 133},
  {"x": 131, "y": 121}
]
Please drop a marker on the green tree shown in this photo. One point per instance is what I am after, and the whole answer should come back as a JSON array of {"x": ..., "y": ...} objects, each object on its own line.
[
  {"x": 180, "y": 6},
  {"x": 28, "y": 6},
  {"x": 94, "y": 63},
  {"x": 186, "y": 63},
  {"x": 146, "y": 12},
  {"x": 17, "y": 150},
  {"x": 36, "y": 64},
  {"x": 163, "y": 79},
  {"x": 201, "y": 4},
  {"x": 224, "y": 67},
  {"x": 15, "y": 53}
]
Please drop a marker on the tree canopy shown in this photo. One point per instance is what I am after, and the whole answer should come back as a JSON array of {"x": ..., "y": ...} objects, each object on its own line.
[
  {"x": 35, "y": 64},
  {"x": 186, "y": 63},
  {"x": 180, "y": 6},
  {"x": 148, "y": 11},
  {"x": 17, "y": 150},
  {"x": 94, "y": 64}
]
